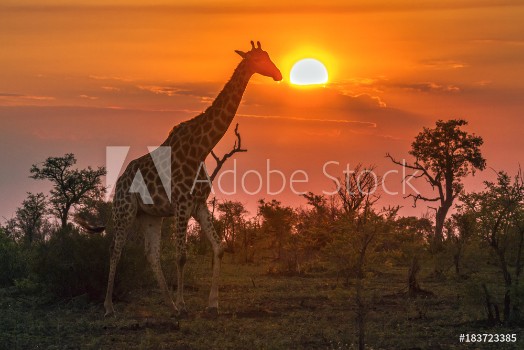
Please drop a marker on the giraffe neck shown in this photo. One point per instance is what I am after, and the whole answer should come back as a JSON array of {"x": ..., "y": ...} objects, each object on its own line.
[{"x": 217, "y": 118}]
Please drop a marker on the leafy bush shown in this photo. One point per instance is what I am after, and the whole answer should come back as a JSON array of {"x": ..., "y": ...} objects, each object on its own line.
[
  {"x": 12, "y": 262},
  {"x": 27, "y": 285},
  {"x": 71, "y": 264}
]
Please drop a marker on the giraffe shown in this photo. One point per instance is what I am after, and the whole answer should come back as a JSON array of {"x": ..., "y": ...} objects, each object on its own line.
[{"x": 190, "y": 143}]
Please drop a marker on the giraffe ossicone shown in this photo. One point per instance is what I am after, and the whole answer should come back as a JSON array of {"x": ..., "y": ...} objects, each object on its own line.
[{"x": 190, "y": 142}]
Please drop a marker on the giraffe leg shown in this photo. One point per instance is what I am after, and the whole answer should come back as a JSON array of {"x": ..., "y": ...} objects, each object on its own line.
[
  {"x": 182, "y": 215},
  {"x": 151, "y": 227},
  {"x": 203, "y": 216},
  {"x": 123, "y": 216}
]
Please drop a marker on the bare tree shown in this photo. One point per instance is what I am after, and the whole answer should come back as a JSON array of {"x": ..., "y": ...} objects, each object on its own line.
[
  {"x": 360, "y": 224},
  {"x": 237, "y": 147},
  {"x": 358, "y": 190}
]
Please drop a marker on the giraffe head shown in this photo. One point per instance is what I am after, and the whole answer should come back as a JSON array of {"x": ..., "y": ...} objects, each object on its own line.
[{"x": 258, "y": 61}]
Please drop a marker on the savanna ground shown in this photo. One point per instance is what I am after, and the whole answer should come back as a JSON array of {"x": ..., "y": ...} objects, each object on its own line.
[{"x": 261, "y": 311}]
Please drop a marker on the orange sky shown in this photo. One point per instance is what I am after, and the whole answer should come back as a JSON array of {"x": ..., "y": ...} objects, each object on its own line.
[{"x": 78, "y": 76}]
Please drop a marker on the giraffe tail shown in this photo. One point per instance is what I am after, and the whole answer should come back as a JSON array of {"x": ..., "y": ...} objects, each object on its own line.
[{"x": 87, "y": 226}]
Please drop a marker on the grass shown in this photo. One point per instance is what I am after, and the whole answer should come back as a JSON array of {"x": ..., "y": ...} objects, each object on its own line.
[{"x": 258, "y": 311}]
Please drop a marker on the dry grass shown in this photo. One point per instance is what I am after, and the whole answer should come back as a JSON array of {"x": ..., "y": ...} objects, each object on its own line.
[{"x": 258, "y": 311}]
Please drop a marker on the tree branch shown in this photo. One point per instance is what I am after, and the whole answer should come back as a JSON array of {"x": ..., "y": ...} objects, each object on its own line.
[
  {"x": 237, "y": 147},
  {"x": 416, "y": 197}
]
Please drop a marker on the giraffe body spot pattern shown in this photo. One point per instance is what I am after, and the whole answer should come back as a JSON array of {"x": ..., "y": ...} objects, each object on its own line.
[{"x": 190, "y": 143}]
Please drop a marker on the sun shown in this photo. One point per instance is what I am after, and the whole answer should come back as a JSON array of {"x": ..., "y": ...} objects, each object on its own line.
[{"x": 308, "y": 71}]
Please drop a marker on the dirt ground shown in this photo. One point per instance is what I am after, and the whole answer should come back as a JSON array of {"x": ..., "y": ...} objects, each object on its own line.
[{"x": 257, "y": 311}]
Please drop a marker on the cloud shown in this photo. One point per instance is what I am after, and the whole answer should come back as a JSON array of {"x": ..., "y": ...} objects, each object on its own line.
[
  {"x": 308, "y": 6},
  {"x": 110, "y": 88},
  {"x": 482, "y": 83},
  {"x": 27, "y": 97},
  {"x": 443, "y": 64},
  {"x": 361, "y": 81},
  {"x": 428, "y": 87},
  {"x": 367, "y": 100},
  {"x": 39, "y": 98},
  {"x": 347, "y": 108},
  {"x": 330, "y": 133},
  {"x": 313, "y": 101},
  {"x": 510, "y": 42},
  {"x": 370, "y": 87},
  {"x": 87, "y": 97},
  {"x": 338, "y": 121},
  {"x": 7, "y": 98},
  {"x": 203, "y": 91},
  {"x": 374, "y": 88},
  {"x": 160, "y": 90},
  {"x": 105, "y": 77}
]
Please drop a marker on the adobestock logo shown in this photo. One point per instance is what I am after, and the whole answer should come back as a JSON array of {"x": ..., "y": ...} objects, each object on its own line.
[
  {"x": 161, "y": 156},
  {"x": 262, "y": 177},
  {"x": 268, "y": 181}
]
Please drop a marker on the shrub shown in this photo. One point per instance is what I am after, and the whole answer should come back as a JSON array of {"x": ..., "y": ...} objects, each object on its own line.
[
  {"x": 12, "y": 262},
  {"x": 71, "y": 264}
]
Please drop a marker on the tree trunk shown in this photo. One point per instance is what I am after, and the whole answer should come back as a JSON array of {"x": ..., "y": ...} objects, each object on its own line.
[
  {"x": 440, "y": 218},
  {"x": 456, "y": 260},
  {"x": 64, "y": 216},
  {"x": 504, "y": 268},
  {"x": 279, "y": 249},
  {"x": 493, "y": 318},
  {"x": 507, "y": 283},
  {"x": 361, "y": 311},
  {"x": 245, "y": 246},
  {"x": 518, "y": 263},
  {"x": 518, "y": 270},
  {"x": 413, "y": 287},
  {"x": 361, "y": 307},
  {"x": 63, "y": 220},
  {"x": 507, "y": 307}
]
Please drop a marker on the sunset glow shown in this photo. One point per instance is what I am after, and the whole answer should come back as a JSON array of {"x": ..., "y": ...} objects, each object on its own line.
[
  {"x": 335, "y": 174},
  {"x": 92, "y": 74},
  {"x": 308, "y": 71}
]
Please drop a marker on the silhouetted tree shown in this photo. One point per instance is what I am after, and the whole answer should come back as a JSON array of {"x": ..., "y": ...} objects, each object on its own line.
[
  {"x": 70, "y": 186},
  {"x": 356, "y": 196},
  {"x": 13, "y": 264},
  {"x": 277, "y": 224},
  {"x": 444, "y": 155},
  {"x": 249, "y": 238},
  {"x": 30, "y": 222},
  {"x": 460, "y": 229},
  {"x": 314, "y": 226},
  {"x": 499, "y": 218},
  {"x": 231, "y": 216},
  {"x": 356, "y": 233},
  {"x": 408, "y": 237},
  {"x": 94, "y": 215}
]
